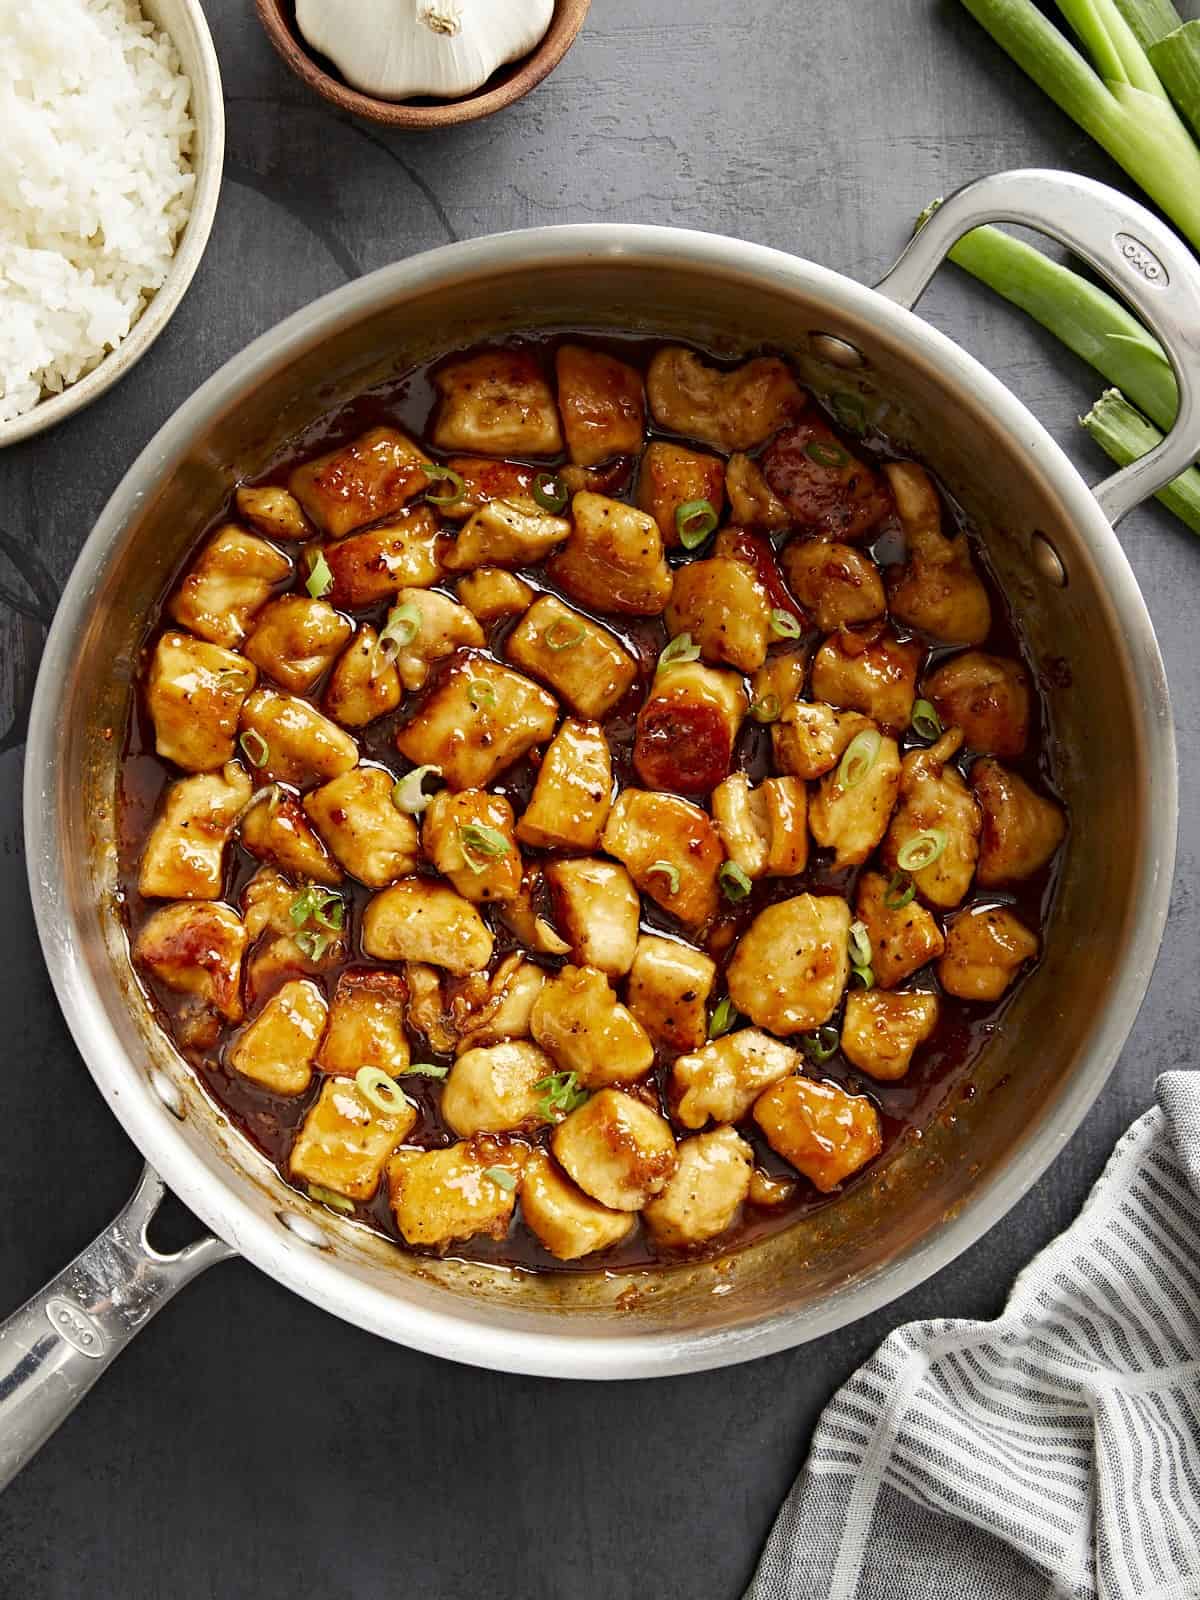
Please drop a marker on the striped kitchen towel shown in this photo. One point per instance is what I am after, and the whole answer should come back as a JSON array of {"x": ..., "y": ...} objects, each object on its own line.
[{"x": 1053, "y": 1452}]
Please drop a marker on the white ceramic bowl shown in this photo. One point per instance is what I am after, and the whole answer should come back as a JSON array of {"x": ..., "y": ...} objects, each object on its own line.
[{"x": 184, "y": 21}]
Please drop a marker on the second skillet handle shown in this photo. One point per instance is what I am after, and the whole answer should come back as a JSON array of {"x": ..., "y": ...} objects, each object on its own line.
[
  {"x": 55, "y": 1347},
  {"x": 1135, "y": 254}
]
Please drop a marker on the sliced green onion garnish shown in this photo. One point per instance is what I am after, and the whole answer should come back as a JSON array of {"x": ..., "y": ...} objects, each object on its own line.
[
  {"x": 899, "y": 891},
  {"x": 426, "y": 1069},
  {"x": 825, "y": 454},
  {"x": 232, "y": 677},
  {"x": 408, "y": 794},
  {"x": 735, "y": 884},
  {"x": 922, "y": 850},
  {"x": 681, "y": 648},
  {"x": 479, "y": 844},
  {"x": 398, "y": 632},
  {"x": 437, "y": 473},
  {"x": 550, "y": 492},
  {"x": 849, "y": 410},
  {"x": 330, "y": 1198},
  {"x": 503, "y": 1177},
  {"x": 859, "y": 757},
  {"x": 784, "y": 625},
  {"x": 560, "y": 1095},
  {"x": 859, "y": 944},
  {"x": 767, "y": 709},
  {"x": 666, "y": 870},
  {"x": 723, "y": 1018},
  {"x": 821, "y": 1045},
  {"x": 480, "y": 694},
  {"x": 312, "y": 944},
  {"x": 926, "y": 723},
  {"x": 380, "y": 1091},
  {"x": 271, "y": 792},
  {"x": 694, "y": 521},
  {"x": 311, "y": 906},
  {"x": 864, "y": 975},
  {"x": 563, "y": 635},
  {"x": 255, "y": 748},
  {"x": 320, "y": 578}
]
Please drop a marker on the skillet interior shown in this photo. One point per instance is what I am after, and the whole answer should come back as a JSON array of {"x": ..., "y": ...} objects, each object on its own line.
[{"x": 1058, "y": 1037}]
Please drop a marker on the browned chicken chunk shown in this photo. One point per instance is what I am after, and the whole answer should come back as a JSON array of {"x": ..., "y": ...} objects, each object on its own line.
[
  {"x": 934, "y": 834},
  {"x": 469, "y": 838},
  {"x": 616, "y": 1149},
  {"x": 578, "y": 1020},
  {"x": 194, "y": 694},
  {"x": 671, "y": 849},
  {"x": 585, "y": 664},
  {"x": 565, "y": 1221},
  {"x": 287, "y": 740},
  {"x": 366, "y": 1025},
  {"x": 406, "y": 553},
  {"x": 358, "y": 821},
  {"x": 496, "y": 403},
  {"x": 1021, "y": 828},
  {"x": 364, "y": 481},
  {"x": 673, "y": 476},
  {"x": 903, "y": 937},
  {"x": 294, "y": 640},
  {"x": 881, "y": 1031},
  {"x": 614, "y": 558},
  {"x": 723, "y": 607},
  {"x": 986, "y": 946},
  {"x": 706, "y": 1191},
  {"x": 733, "y": 410},
  {"x": 363, "y": 685},
  {"x": 938, "y": 589},
  {"x": 438, "y": 1196},
  {"x": 184, "y": 858},
  {"x": 346, "y": 1139},
  {"x": 836, "y": 584},
  {"x": 791, "y": 964},
  {"x": 764, "y": 829},
  {"x": 419, "y": 920},
  {"x": 723, "y": 1079},
  {"x": 600, "y": 399},
  {"x": 234, "y": 575},
  {"x": 668, "y": 990},
  {"x": 875, "y": 674},
  {"x": 687, "y": 728},
  {"x": 573, "y": 793},
  {"x": 195, "y": 947},
  {"x": 825, "y": 488},
  {"x": 480, "y": 719},
  {"x": 987, "y": 697},
  {"x": 824, "y": 1133}
]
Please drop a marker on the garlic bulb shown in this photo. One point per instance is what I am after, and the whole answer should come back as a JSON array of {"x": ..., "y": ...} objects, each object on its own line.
[{"x": 398, "y": 48}]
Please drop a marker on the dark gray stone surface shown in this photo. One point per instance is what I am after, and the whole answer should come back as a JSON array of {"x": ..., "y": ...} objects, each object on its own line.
[{"x": 249, "y": 1445}]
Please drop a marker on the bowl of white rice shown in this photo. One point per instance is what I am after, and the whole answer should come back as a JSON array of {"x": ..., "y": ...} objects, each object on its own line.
[{"x": 110, "y": 166}]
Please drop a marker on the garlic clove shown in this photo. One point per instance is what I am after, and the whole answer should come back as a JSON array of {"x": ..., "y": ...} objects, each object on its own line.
[{"x": 443, "y": 48}]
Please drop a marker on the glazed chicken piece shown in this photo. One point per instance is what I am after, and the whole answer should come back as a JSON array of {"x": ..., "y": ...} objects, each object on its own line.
[
  {"x": 616, "y": 1149},
  {"x": 363, "y": 685},
  {"x": 490, "y": 593},
  {"x": 496, "y": 403},
  {"x": 406, "y": 553},
  {"x": 613, "y": 560},
  {"x": 672, "y": 476},
  {"x": 366, "y": 1026},
  {"x": 273, "y": 511},
  {"x": 287, "y": 740},
  {"x": 752, "y": 501},
  {"x": 724, "y": 1078},
  {"x": 484, "y": 479},
  {"x": 850, "y": 811},
  {"x": 725, "y": 609},
  {"x": 275, "y": 956},
  {"x": 706, "y": 1191},
  {"x": 596, "y": 908},
  {"x": 836, "y": 584},
  {"x": 345, "y": 1140},
  {"x": 358, "y": 821},
  {"x": 779, "y": 682},
  {"x": 579, "y": 1021},
  {"x": 764, "y": 829},
  {"x": 791, "y": 965},
  {"x": 732, "y": 410},
  {"x": 184, "y": 858},
  {"x": 810, "y": 737},
  {"x": 195, "y": 948},
  {"x": 564, "y": 1220},
  {"x": 573, "y": 792},
  {"x": 987, "y": 697},
  {"x": 825, "y": 488},
  {"x": 233, "y": 577},
  {"x": 822, "y": 1131},
  {"x": 469, "y": 837},
  {"x": 1021, "y": 829},
  {"x": 671, "y": 849},
  {"x": 494, "y": 1089},
  {"x": 373, "y": 477},
  {"x": 441, "y": 625},
  {"x": 277, "y": 831},
  {"x": 584, "y": 664},
  {"x": 755, "y": 550},
  {"x": 278, "y": 1048},
  {"x": 480, "y": 719},
  {"x": 986, "y": 946},
  {"x": 935, "y": 803},
  {"x": 668, "y": 990},
  {"x": 600, "y": 399},
  {"x": 267, "y": 902},
  {"x": 526, "y": 916},
  {"x": 687, "y": 727},
  {"x": 874, "y": 673},
  {"x": 418, "y": 920},
  {"x": 506, "y": 533},
  {"x": 194, "y": 694},
  {"x": 938, "y": 589},
  {"x": 903, "y": 938},
  {"x": 504, "y": 1008},
  {"x": 428, "y": 1014},
  {"x": 438, "y": 1196},
  {"x": 294, "y": 640},
  {"x": 881, "y": 1031}
]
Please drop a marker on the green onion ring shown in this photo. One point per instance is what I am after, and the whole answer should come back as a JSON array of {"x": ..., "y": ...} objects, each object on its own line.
[
  {"x": 320, "y": 578},
  {"x": 550, "y": 492},
  {"x": 666, "y": 870},
  {"x": 408, "y": 793},
  {"x": 859, "y": 944},
  {"x": 437, "y": 473},
  {"x": 723, "y": 1018},
  {"x": 859, "y": 757},
  {"x": 254, "y": 747},
  {"x": 503, "y": 1178},
  {"x": 735, "y": 883},
  {"x": 784, "y": 625},
  {"x": 922, "y": 850},
  {"x": 767, "y": 709},
  {"x": 694, "y": 521},
  {"x": 899, "y": 891},
  {"x": 926, "y": 723},
  {"x": 382, "y": 1093},
  {"x": 820, "y": 1046},
  {"x": 826, "y": 454},
  {"x": 560, "y": 635},
  {"x": 681, "y": 648}
]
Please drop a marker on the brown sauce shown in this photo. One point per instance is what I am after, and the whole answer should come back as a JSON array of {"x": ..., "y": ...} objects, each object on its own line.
[{"x": 942, "y": 1065}]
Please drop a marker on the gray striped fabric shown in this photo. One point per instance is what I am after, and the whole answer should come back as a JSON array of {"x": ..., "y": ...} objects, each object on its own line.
[{"x": 1055, "y": 1451}]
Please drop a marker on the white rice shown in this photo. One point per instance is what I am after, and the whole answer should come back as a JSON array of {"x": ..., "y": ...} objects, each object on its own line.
[{"x": 95, "y": 184}]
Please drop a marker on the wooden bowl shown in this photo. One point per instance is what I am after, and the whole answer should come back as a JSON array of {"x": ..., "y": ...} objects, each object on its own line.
[{"x": 504, "y": 87}]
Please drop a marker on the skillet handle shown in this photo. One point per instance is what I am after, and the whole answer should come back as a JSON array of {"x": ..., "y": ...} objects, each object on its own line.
[
  {"x": 55, "y": 1347},
  {"x": 1135, "y": 254}
]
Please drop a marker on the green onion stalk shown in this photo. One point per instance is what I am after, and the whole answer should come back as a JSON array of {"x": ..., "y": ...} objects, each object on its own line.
[
  {"x": 1126, "y": 436},
  {"x": 1172, "y": 48},
  {"x": 1120, "y": 101}
]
